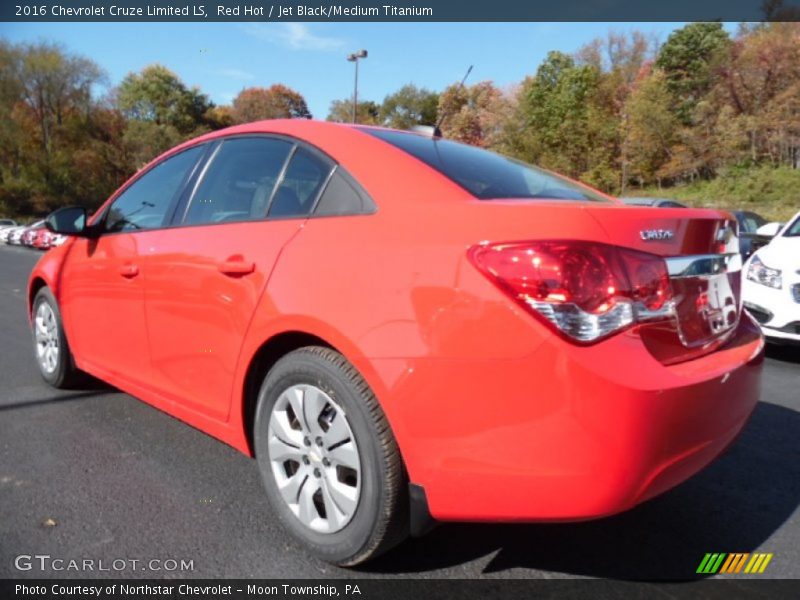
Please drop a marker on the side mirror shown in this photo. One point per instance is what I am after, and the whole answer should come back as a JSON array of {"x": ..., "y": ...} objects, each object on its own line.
[
  {"x": 70, "y": 220},
  {"x": 769, "y": 230}
]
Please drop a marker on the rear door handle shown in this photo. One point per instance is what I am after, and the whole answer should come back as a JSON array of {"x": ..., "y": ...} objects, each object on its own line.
[
  {"x": 236, "y": 266},
  {"x": 129, "y": 270}
]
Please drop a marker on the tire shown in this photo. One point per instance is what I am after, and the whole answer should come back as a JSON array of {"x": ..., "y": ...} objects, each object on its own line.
[
  {"x": 59, "y": 369},
  {"x": 360, "y": 507}
]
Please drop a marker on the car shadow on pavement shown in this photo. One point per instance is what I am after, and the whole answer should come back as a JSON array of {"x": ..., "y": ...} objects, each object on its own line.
[
  {"x": 789, "y": 353},
  {"x": 56, "y": 399},
  {"x": 735, "y": 505}
]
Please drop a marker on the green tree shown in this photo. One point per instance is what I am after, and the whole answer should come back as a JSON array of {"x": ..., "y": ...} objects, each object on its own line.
[
  {"x": 688, "y": 59},
  {"x": 157, "y": 94},
  {"x": 409, "y": 106},
  {"x": 557, "y": 110},
  {"x": 341, "y": 111},
  {"x": 516, "y": 138},
  {"x": 161, "y": 111}
]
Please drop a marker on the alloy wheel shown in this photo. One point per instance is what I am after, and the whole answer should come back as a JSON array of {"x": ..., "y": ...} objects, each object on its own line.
[{"x": 46, "y": 332}]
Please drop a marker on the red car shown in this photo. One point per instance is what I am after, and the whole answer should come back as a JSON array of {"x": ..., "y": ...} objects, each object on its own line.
[
  {"x": 403, "y": 329},
  {"x": 42, "y": 239},
  {"x": 29, "y": 235}
]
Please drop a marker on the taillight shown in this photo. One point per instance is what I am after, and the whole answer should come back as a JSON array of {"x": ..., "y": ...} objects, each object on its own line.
[{"x": 584, "y": 290}]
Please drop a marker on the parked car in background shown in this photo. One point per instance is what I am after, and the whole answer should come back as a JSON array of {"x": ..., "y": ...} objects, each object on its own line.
[
  {"x": 404, "y": 328},
  {"x": 43, "y": 239},
  {"x": 5, "y": 233},
  {"x": 30, "y": 233},
  {"x": 15, "y": 235},
  {"x": 7, "y": 223},
  {"x": 655, "y": 202},
  {"x": 749, "y": 222},
  {"x": 771, "y": 287},
  {"x": 765, "y": 234}
]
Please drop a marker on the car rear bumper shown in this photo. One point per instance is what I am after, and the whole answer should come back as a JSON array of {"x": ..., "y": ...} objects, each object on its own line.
[{"x": 568, "y": 433}]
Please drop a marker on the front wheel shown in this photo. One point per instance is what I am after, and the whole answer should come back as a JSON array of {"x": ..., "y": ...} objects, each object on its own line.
[
  {"x": 329, "y": 461},
  {"x": 53, "y": 356}
]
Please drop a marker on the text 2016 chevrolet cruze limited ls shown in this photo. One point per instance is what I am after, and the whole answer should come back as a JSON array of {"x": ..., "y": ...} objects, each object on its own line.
[{"x": 401, "y": 327}]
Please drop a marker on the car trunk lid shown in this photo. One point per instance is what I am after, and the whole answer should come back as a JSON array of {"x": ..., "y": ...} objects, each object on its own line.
[{"x": 701, "y": 250}]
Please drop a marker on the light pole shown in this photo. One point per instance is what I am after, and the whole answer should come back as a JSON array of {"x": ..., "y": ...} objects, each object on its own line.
[{"x": 354, "y": 58}]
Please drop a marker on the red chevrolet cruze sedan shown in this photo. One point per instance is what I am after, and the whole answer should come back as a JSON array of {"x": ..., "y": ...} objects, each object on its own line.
[{"x": 404, "y": 329}]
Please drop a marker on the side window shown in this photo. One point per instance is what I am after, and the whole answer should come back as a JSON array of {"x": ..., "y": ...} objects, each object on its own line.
[
  {"x": 749, "y": 225},
  {"x": 300, "y": 185},
  {"x": 343, "y": 196},
  {"x": 238, "y": 183},
  {"x": 145, "y": 204}
]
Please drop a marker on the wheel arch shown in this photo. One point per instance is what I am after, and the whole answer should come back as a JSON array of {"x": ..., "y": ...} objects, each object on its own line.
[
  {"x": 279, "y": 344},
  {"x": 270, "y": 352},
  {"x": 37, "y": 282}
]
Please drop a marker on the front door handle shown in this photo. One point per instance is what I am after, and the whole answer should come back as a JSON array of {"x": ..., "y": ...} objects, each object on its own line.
[
  {"x": 236, "y": 266},
  {"x": 129, "y": 270}
]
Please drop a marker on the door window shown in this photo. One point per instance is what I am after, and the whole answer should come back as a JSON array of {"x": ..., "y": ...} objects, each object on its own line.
[
  {"x": 238, "y": 183},
  {"x": 146, "y": 202}
]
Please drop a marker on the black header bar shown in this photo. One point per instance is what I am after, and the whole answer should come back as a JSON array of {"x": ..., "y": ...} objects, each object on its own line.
[
  {"x": 400, "y": 10},
  {"x": 394, "y": 589}
]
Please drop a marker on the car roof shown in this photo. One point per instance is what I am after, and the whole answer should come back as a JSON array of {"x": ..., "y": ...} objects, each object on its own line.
[
  {"x": 639, "y": 201},
  {"x": 324, "y": 135},
  {"x": 366, "y": 158},
  {"x": 647, "y": 201}
]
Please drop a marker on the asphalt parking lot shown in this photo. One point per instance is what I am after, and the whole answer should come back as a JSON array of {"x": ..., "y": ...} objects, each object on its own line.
[{"x": 97, "y": 474}]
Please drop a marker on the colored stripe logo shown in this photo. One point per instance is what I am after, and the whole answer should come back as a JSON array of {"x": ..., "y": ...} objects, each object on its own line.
[{"x": 734, "y": 563}]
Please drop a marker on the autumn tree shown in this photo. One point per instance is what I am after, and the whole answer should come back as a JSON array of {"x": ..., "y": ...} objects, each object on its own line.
[
  {"x": 49, "y": 117},
  {"x": 274, "y": 102},
  {"x": 10, "y": 96},
  {"x": 218, "y": 117},
  {"x": 55, "y": 84},
  {"x": 649, "y": 130},
  {"x": 760, "y": 81},
  {"x": 474, "y": 114},
  {"x": 624, "y": 54}
]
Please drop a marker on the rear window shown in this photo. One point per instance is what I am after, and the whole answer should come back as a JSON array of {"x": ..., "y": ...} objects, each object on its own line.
[
  {"x": 343, "y": 196},
  {"x": 484, "y": 174}
]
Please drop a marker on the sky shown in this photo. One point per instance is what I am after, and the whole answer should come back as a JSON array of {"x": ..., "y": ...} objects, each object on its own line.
[{"x": 223, "y": 58}]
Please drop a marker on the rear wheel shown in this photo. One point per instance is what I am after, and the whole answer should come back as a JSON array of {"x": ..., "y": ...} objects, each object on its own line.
[
  {"x": 329, "y": 461},
  {"x": 51, "y": 349}
]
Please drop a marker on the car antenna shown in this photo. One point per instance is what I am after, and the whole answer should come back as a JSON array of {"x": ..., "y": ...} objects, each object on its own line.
[{"x": 436, "y": 131}]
